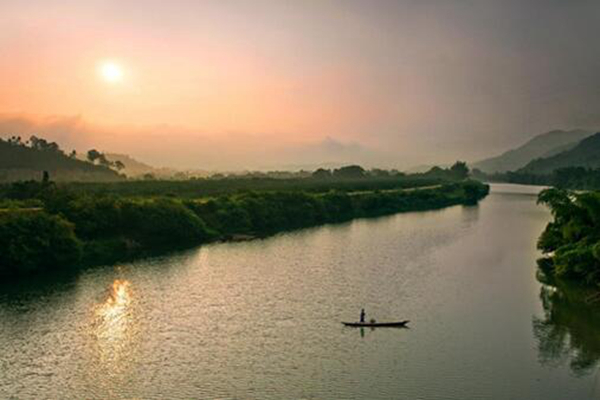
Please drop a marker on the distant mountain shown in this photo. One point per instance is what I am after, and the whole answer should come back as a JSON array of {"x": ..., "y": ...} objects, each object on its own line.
[
  {"x": 137, "y": 169},
  {"x": 419, "y": 169},
  {"x": 541, "y": 146},
  {"x": 20, "y": 161},
  {"x": 133, "y": 167},
  {"x": 585, "y": 154}
]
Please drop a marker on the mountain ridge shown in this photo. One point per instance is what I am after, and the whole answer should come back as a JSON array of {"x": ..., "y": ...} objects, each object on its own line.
[
  {"x": 585, "y": 154},
  {"x": 541, "y": 146}
]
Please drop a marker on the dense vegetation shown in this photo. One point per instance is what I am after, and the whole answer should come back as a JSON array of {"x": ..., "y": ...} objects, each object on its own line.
[
  {"x": 201, "y": 187},
  {"x": 580, "y": 178},
  {"x": 71, "y": 225},
  {"x": 571, "y": 242},
  {"x": 33, "y": 241},
  {"x": 350, "y": 178}
]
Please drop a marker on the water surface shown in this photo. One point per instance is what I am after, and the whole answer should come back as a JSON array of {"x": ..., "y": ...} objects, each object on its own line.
[{"x": 261, "y": 319}]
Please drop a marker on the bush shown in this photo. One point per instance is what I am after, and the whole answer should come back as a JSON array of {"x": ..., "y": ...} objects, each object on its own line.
[
  {"x": 163, "y": 222},
  {"x": 36, "y": 241},
  {"x": 572, "y": 240}
]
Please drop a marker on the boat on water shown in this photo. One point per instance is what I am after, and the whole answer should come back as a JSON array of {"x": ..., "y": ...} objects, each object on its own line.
[{"x": 398, "y": 324}]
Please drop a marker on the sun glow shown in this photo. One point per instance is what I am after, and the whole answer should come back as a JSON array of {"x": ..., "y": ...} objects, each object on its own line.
[{"x": 111, "y": 72}]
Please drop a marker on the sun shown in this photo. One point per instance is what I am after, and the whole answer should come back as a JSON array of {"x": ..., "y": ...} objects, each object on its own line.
[{"x": 111, "y": 72}]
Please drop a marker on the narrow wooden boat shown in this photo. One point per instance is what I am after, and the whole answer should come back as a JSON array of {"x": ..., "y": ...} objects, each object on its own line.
[{"x": 376, "y": 324}]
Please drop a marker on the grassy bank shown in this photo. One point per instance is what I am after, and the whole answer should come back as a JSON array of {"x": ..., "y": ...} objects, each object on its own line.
[{"x": 74, "y": 228}]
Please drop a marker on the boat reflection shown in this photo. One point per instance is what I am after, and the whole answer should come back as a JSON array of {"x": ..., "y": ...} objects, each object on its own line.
[{"x": 569, "y": 332}]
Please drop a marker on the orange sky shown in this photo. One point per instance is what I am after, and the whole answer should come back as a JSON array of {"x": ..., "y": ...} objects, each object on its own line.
[
  {"x": 428, "y": 81},
  {"x": 215, "y": 83}
]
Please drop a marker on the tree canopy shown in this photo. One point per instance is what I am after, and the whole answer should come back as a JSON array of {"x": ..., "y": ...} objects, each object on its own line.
[{"x": 571, "y": 242}]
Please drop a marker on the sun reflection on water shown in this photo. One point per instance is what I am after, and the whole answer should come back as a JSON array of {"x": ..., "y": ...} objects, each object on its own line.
[
  {"x": 114, "y": 327},
  {"x": 115, "y": 306}
]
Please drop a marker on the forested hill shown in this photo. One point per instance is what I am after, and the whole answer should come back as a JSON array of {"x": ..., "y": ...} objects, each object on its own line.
[
  {"x": 544, "y": 145},
  {"x": 27, "y": 160},
  {"x": 585, "y": 154}
]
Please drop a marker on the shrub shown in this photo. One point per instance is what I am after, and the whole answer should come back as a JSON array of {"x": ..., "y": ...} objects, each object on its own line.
[
  {"x": 162, "y": 222},
  {"x": 35, "y": 241}
]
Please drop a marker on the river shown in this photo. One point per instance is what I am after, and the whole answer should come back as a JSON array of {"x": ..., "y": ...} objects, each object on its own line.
[{"x": 261, "y": 319}]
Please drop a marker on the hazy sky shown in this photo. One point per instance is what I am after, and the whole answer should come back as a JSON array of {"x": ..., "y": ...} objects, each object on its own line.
[{"x": 231, "y": 84}]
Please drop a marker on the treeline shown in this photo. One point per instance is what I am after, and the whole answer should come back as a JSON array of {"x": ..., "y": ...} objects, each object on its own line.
[
  {"x": 571, "y": 242},
  {"x": 513, "y": 177},
  {"x": 457, "y": 171},
  {"x": 202, "y": 187},
  {"x": 348, "y": 178},
  {"x": 73, "y": 228},
  {"x": 579, "y": 178}
]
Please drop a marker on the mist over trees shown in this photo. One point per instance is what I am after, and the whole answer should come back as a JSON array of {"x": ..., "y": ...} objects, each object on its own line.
[
  {"x": 22, "y": 160},
  {"x": 96, "y": 157},
  {"x": 45, "y": 222}
]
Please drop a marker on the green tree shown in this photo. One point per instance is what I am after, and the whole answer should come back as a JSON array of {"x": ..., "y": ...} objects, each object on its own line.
[
  {"x": 119, "y": 165},
  {"x": 322, "y": 173},
  {"x": 36, "y": 241},
  {"x": 350, "y": 171},
  {"x": 460, "y": 170},
  {"x": 93, "y": 155}
]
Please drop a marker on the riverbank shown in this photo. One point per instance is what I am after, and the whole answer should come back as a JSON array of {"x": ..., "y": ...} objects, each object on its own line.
[
  {"x": 571, "y": 242},
  {"x": 76, "y": 230},
  {"x": 463, "y": 275}
]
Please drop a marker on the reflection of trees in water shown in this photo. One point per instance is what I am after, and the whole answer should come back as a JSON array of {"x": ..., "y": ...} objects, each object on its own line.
[{"x": 569, "y": 332}]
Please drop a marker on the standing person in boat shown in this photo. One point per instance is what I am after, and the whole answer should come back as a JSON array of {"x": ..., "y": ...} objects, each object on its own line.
[{"x": 362, "y": 315}]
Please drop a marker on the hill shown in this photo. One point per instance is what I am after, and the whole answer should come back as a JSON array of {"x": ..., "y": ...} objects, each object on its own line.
[
  {"x": 541, "y": 146},
  {"x": 25, "y": 161},
  {"x": 137, "y": 169},
  {"x": 133, "y": 167},
  {"x": 585, "y": 154}
]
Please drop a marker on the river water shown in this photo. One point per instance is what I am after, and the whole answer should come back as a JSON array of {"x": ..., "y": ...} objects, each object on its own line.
[{"x": 261, "y": 319}]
